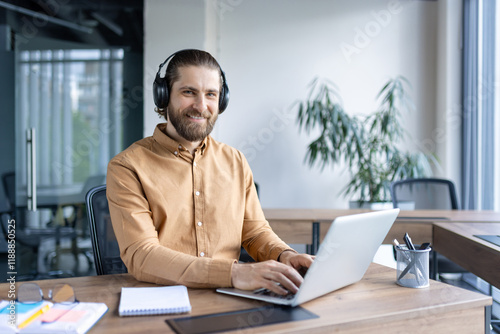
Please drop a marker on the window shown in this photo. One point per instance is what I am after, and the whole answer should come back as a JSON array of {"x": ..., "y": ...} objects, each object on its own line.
[
  {"x": 481, "y": 148},
  {"x": 73, "y": 99}
]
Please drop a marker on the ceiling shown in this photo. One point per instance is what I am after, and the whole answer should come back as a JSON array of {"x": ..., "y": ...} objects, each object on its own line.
[{"x": 91, "y": 22}]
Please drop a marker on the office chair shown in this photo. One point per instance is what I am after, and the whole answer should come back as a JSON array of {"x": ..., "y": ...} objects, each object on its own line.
[
  {"x": 27, "y": 237},
  {"x": 428, "y": 194},
  {"x": 425, "y": 193},
  {"x": 104, "y": 244},
  {"x": 78, "y": 222},
  {"x": 32, "y": 242}
]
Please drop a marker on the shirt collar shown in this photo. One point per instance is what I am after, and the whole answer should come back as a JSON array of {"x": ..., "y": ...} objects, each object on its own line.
[{"x": 160, "y": 135}]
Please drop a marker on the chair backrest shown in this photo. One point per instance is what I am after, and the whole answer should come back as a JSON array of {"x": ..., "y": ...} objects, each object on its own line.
[
  {"x": 92, "y": 182},
  {"x": 7, "y": 211},
  {"x": 104, "y": 245},
  {"x": 9, "y": 188},
  {"x": 424, "y": 193}
]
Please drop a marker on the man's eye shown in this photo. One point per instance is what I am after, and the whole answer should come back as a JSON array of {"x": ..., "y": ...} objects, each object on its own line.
[{"x": 188, "y": 92}]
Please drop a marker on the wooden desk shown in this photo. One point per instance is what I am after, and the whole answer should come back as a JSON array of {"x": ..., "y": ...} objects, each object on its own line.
[
  {"x": 298, "y": 215},
  {"x": 457, "y": 242},
  {"x": 294, "y": 225},
  {"x": 376, "y": 304}
]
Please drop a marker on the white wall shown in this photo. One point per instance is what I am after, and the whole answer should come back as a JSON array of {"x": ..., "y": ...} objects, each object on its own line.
[
  {"x": 445, "y": 138},
  {"x": 271, "y": 50},
  {"x": 169, "y": 26}
]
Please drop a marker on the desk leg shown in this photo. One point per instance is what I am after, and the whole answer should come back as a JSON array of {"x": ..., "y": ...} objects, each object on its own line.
[
  {"x": 315, "y": 238},
  {"x": 434, "y": 265},
  {"x": 313, "y": 247},
  {"x": 487, "y": 319}
]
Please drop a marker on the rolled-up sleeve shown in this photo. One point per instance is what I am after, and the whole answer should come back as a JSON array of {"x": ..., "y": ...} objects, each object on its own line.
[{"x": 258, "y": 238}]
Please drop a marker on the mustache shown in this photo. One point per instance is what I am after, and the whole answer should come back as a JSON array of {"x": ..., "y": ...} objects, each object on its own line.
[{"x": 191, "y": 112}]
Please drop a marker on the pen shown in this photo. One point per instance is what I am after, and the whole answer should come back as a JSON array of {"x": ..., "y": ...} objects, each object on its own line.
[
  {"x": 396, "y": 243},
  {"x": 34, "y": 316},
  {"x": 408, "y": 242},
  {"x": 424, "y": 246}
]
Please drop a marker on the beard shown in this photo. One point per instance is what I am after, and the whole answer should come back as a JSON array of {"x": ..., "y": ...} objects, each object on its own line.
[{"x": 189, "y": 130}]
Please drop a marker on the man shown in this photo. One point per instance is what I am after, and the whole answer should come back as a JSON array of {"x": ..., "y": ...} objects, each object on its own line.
[{"x": 183, "y": 204}]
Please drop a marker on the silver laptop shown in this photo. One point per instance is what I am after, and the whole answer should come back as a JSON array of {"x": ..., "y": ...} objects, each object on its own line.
[{"x": 342, "y": 259}]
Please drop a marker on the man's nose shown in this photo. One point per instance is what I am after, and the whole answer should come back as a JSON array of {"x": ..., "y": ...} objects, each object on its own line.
[{"x": 200, "y": 103}]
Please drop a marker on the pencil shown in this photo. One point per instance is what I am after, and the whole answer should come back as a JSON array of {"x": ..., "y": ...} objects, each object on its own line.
[{"x": 34, "y": 316}]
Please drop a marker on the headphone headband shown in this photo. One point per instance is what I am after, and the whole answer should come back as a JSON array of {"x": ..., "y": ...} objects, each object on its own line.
[{"x": 161, "y": 87}]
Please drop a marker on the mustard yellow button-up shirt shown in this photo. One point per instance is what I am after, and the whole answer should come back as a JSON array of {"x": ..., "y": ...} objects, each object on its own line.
[{"x": 181, "y": 219}]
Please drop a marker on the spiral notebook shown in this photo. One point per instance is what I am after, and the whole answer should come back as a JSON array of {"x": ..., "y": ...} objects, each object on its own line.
[{"x": 154, "y": 300}]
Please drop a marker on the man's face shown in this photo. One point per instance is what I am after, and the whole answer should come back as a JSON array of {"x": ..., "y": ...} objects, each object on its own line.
[{"x": 194, "y": 102}]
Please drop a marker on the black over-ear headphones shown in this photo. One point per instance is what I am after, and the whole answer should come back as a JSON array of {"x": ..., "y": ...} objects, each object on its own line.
[{"x": 161, "y": 92}]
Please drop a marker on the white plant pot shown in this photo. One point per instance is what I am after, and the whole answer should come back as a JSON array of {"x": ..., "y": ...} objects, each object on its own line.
[
  {"x": 406, "y": 205},
  {"x": 370, "y": 205}
]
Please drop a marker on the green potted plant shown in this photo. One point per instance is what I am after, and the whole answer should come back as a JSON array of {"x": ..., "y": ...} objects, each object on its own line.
[{"x": 370, "y": 145}]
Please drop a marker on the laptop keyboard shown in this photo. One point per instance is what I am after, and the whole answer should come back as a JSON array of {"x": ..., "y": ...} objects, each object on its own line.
[{"x": 266, "y": 292}]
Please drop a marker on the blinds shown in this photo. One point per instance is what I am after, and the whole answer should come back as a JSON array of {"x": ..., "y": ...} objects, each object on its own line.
[
  {"x": 478, "y": 141},
  {"x": 74, "y": 100}
]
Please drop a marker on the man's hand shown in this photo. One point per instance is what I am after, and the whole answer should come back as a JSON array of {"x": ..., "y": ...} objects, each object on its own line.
[
  {"x": 251, "y": 276},
  {"x": 301, "y": 262}
]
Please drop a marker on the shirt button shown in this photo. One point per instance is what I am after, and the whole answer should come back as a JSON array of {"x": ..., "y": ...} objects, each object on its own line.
[
  {"x": 180, "y": 146},
  {"x": 197, "y": 193},
  {"x": 176, "y": 152},
  {"x": 200, "y": 223},
  {"x": 194, "y": 164},
  {"x": 202, "y": 254}
]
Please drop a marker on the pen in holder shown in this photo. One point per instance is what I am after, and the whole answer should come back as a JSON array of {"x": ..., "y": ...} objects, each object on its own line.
[{"x": 412, "y": 267}]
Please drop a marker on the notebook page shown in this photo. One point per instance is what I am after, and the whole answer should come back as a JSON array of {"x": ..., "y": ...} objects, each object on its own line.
[
  {"x": 68, "y": 319},
  {"x": 154, "y": 300}
]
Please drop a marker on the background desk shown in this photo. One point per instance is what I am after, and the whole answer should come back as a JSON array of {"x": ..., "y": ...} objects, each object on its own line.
[
  {"x": 330, "y": 214},
  {"x": 457, "y": 242},
  {"x": 309, "y": 226},
  {"x": 376, "y": 304}
]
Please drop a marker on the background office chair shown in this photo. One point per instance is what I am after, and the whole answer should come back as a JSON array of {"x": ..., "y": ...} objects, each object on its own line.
[
  {"x": 425, "y": 193},
  {"x": 81, "y": 244},
  {"x": 30, "y": 238},
  {"x": 31, "y": 242},
  {"x": 428, "y": 194},
  {"x": 104, "y": 245}
]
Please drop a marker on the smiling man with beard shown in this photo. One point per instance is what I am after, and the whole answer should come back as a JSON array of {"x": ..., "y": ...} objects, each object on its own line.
[{"x": 182, "y": 204}]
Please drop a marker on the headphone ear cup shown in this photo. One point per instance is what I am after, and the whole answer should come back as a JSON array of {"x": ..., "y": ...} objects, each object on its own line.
[
  {"x": 224, "y": 94},
  {"x": 224, "y": 98},
  {"x": 160, "y": 92}
]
